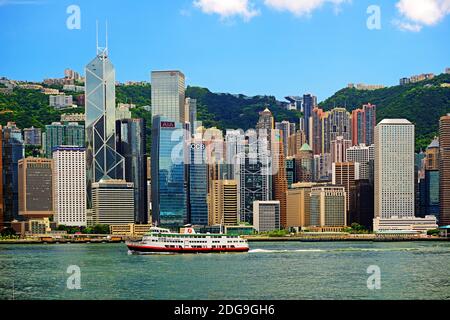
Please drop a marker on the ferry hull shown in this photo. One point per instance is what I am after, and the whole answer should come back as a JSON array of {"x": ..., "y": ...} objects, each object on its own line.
[{"x": 145, "y": 248}]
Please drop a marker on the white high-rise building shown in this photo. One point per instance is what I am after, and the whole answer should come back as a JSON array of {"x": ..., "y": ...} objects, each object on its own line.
[
  {"x": 363, "y": 155},
  {"x": 168, "y": 95},
  {"x": 69, "y": 186},
  {"x": 394, "y": 169},
  {"x": 394, "y": 179}
]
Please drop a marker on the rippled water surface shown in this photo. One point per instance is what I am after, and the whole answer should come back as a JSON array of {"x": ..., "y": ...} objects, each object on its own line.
[{"x": 271, "y": 270}]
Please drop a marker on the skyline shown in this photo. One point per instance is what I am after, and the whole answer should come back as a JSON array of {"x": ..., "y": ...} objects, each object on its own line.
[{"x": 258, "y": 44}]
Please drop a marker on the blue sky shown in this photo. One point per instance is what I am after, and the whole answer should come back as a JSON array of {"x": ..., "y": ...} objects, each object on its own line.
[{"x": 275, "y": 47}]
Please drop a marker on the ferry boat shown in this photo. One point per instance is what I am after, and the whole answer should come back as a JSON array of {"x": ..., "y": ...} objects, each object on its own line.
[{"x": 160, "y": 240}]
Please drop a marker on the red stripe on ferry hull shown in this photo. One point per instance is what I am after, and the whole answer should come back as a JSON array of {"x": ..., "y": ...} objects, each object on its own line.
[{"x": 184, "y": 250}]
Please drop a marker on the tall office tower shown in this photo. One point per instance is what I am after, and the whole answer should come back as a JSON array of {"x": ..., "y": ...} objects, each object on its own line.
[
  {"x": 363, "y": 124},
  {"x": 432, "y": 155},
  {"x": 191, "y": 114},
  {"x": 322, "y": 171},
  {"x": 266, "y": 216},
  {"x": 346, "y": 174},
  {"x": 32, "y": 136},
  {"x": 394, "y": 169},
  {"x": 1, "y": 180},
  {"x": 290, "y": 171},
  {"x": 234, "y": 142},
  {"x": 253, "y": 172},
  {"x": 59, "y": 134},
  {"x": 102, "y": 160},
  {"x": 295, "y": 142},
  {"x": 168, "y": 173},
  {"x": 298, "y": 205},
  {"x": 69, "y": 185},
  {"x": 340, "y": 124},
  {"x": 304, "y": 164},
  {"x": 223, "y": 203},
  {"x": 444, "y": 170},
  {"x": 429, "y": 184},
  {"x": 168, "y": 95},
  {"x": 328, "y": 207},
  {"x": 319, "y": 135},
  {"x": 280, "y": 184},
  {"x": 113, "y": 202},
  {"x": 131, "y": 145},
  {"x": 339, "y": 147},
  {"x": 285, "y": 130},
  {"x": 265, "y": 121},
  {"x": 309, "y": 103},
  {"x": 13, "y": 151},
  {"x": 198, "y": 183},
  {"x": 36, "y": 188},
  {"x": 364, "y": 155},
  {"x": 362, "y": 205}
]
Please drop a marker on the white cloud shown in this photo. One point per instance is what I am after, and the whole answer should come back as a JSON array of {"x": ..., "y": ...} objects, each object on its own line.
[
  {"x": 407, "y": 26},
  {"x": 419, "y": 13},
  {"x": 302, "y": 7},
  {"x": 227, "y": 8}
]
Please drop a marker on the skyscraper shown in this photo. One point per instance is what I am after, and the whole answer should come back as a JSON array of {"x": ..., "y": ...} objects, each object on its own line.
[
  {"x": 339, "y": 147},
  {"x": 59, "y": 134},
  {"x": 191, "y": 116},
  {"x": 298, "y": 205},
  {"x": 1, "y": 180},
  {"x": 328, "y": 208},
  {"x": 253, "y": 171},
  {"x": 113, "y": 202},
  {"x": 309, "y": 103},
  {"x": 280, "y": 184},
  {"x": 131, "y": 144},
  {"x": 69, "y": 185},
  {"x": 102, "y": 160},
  {"x": 13, "y": 151},
  {"x": 363, "y": 124},
  {"x": 361, "y": 206},
  {"x": 304, "y": 164},
  {"x": 364, "y": 155},
  {"x": 168, "y": 95},
  {"x": 340, "y": 124},
  {"x": 394, "y": 169},
  {"x": 346, "y": 174},
  {"x": 36, "y": 188},
  {"x": 198, "y": 184},
  {"x": 32, "y": 136},
  {"x": 295, "y": 141},
  {"x": 444, "y": 170},
  {"x": 169, "y": 199},
  {"x": 223, "y": 203},
  {"x": 285, "y": 130},
  {"x": 266, "y": 216}
]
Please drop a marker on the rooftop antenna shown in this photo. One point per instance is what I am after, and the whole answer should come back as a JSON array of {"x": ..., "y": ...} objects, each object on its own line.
[{"x": 106, "y": 24}]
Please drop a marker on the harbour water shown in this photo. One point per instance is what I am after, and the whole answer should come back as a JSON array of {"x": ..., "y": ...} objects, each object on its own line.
[{"x": 271, "y": 270}]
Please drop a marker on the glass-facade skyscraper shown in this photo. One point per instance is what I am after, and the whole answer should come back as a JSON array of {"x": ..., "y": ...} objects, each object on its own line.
[
  {"x": 102, "y": 159},
  {"x": 198, "y": 184},
  {"x": 58, "y": 134},
  {"x": 131, "y": 142},
  {"x": 168, "y": 172},
  {"x": 12, "y": 151},
  {"x": 168, "y": 95}
]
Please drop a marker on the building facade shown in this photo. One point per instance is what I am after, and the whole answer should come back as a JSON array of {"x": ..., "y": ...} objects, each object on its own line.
[
  {"x": 223, "y": 203},
  {"x": 168, "y": 95},
  {"x": 169, "y": 200},
  {"x": 266, "y": 216},
  {"x": 113, "y": 202},
  {"x": 102, "y": 160},
  {"x": 69, "y": 186},
  {"x": 444, "y": 170},
  {"x": 328, "y": 207},
  {"x": 131, "y": 145},
  {"x": 36, "y": 188}
]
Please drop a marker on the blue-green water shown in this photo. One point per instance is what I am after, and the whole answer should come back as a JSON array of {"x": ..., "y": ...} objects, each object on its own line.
[{"x": 288, "y": 270}]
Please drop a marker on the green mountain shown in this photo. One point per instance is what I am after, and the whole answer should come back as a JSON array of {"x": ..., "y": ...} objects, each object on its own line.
[{"x": 422, "y": 103}]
